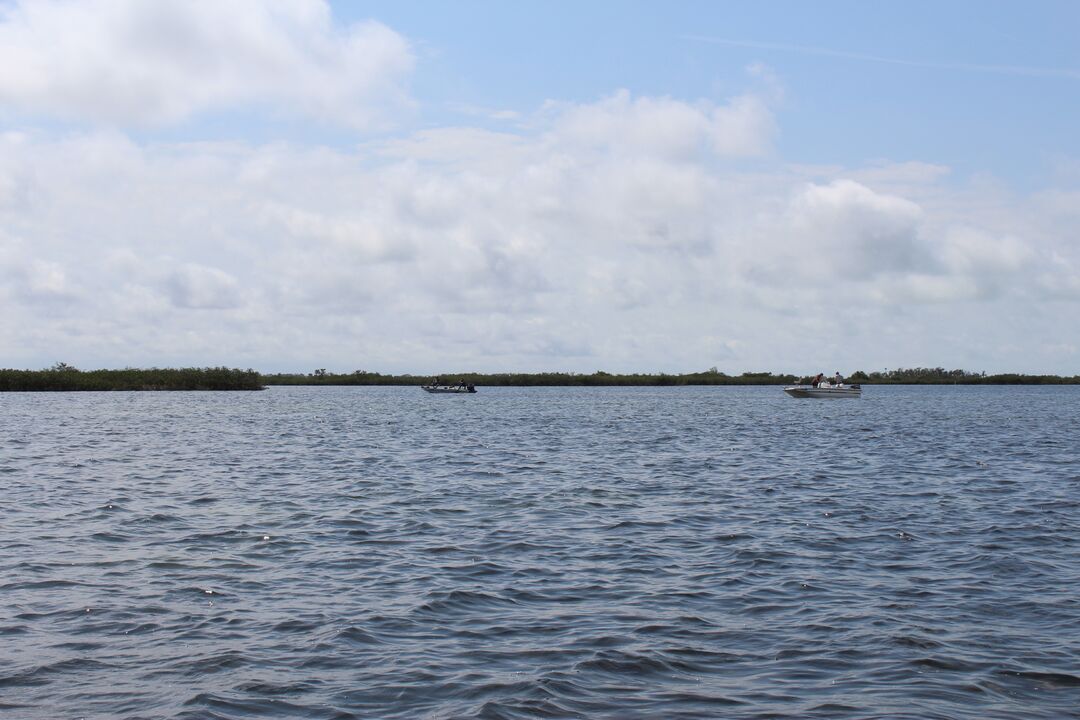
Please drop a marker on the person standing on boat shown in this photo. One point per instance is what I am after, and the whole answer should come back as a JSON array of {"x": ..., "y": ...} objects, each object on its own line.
[
  {"x": 837, "y": 380},
  {"x": 817, "y": 379}
]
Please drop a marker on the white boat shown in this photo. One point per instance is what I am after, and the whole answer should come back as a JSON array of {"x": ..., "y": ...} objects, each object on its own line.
[
  {"x": 449, "y": 388},
  {"x": 824, "y": 390}
]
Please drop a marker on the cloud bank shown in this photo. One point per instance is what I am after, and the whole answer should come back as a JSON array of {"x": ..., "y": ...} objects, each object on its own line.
[
  {"x": 597, "y": 239},
  {"x": 629, "y": 233}
]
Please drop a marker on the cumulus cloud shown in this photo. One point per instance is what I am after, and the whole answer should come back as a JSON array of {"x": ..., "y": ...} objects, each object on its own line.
[
  {"x": 666, "y": 128},
  {"x": 128, "y": 62},
  {"x": 615, "y": 234},
  {"x": 857, "y": 233}
]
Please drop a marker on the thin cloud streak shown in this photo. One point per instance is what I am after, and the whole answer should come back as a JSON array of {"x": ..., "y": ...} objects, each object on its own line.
[{"x": 1016, "y": 70}]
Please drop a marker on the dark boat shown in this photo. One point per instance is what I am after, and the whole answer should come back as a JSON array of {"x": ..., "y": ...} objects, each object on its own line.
[{"x": 454, "y": 389}]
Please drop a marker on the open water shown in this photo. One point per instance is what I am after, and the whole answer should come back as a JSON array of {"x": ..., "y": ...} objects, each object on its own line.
[{"x": 533, "y": 553}]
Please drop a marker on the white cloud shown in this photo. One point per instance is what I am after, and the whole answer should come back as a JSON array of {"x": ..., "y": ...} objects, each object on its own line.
[
  {"x": 46, "y": 279},
  {"x": 852, "y": 231},
  {"x": 1060, "y": 202},
  {"x": 971, "y": 251},
  {"x": 666, "y": 128},
  {"x": 26, "y": 279},
  {"x": 199, "y": 287},
  {"x": 598, "y": 238},
  {"x": 129, "y": 62},
  {"x": 745, "y": 127},
  {"x": 924, "y": 288},
  {"x": 360, "y": 239}
]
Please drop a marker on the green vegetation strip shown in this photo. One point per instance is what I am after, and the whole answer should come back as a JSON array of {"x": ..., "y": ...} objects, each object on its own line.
[
  {"x": 901, "y": 376},
  {"x": 63, "y": 377}
]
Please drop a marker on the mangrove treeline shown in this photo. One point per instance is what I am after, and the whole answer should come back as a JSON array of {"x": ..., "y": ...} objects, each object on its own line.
[
  {"x": 941, "y": 376},
  {"x": 899, "y": 376},
  {"x": 63, "y": 377},
  {"x": 552, "y": 379}
]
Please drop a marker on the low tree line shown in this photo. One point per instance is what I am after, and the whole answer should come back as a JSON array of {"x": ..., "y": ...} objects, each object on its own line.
[
  {"x": 551, "y": 379},
  {"x": 63, "y": 377},
  {"x": 899, "y": 376},
  {"x": 941, "y": 376}
]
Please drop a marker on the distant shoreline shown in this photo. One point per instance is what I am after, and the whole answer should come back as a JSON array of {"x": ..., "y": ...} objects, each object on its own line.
[
  {"x": 917, "y": 376},
  {"x": 65, "y": 378}
]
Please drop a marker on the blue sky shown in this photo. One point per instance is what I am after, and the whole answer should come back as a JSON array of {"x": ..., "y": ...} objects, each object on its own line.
[
  {"x": 979, "y": 86},
  {"x": 976, "y": 85},
  {"x": 440, "y": 186}
]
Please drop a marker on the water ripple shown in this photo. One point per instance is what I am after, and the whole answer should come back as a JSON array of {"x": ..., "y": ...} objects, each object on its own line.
[{"x": 527, "y": 553}]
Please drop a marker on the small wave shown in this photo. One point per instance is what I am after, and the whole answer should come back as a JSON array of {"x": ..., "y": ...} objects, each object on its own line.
[
  {"x": 227, "y": 537},
  {"x": 211, "y": 664},
  {"x": 1045, "y": 680},
  {"x": 154, "y": 519},
  {"x": 524, "y": 709},
  {"x": 45, "y": 674},
  {"x": 946, "y": 664},
  {"x": 258, "y": 688},
  {"x": 616, "y": 662},
  {"x": 214, "y": 706},
  {"x": 42, "y": 585},
  {"x": 919, "y": 643},
  {"x": 358, "y": 636},
  {"x": 639, "y": 524},
  {"x": 457, "y": 601},
  {"x": 111, "y": 537},
  {"x": 295, "y": 626},
  {"x": 686, "y": 699}
]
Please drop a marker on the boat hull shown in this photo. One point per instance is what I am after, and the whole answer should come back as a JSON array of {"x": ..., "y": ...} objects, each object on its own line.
[
  {"x": 824, "y": 393},
  {"x": 448, "y": 389}
]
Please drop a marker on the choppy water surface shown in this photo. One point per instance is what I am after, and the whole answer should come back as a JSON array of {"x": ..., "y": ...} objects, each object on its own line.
[{"x": 526, "y": 553}]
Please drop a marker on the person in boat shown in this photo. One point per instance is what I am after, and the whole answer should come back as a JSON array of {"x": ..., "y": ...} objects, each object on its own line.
[
  {"x": 837, "y": 380},
  {"x": 817, "y": 379}
]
